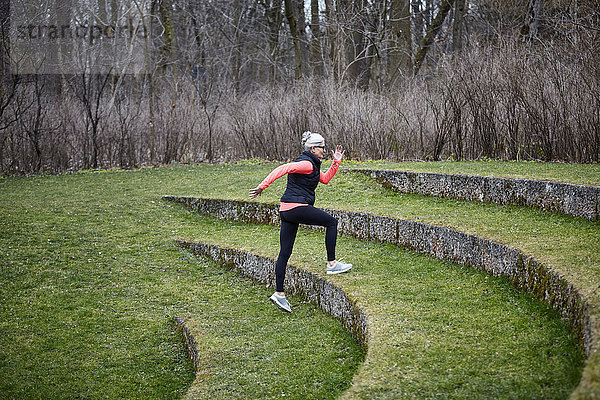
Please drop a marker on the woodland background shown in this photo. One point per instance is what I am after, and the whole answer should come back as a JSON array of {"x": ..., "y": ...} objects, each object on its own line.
[{"x": 129, "y": 83}]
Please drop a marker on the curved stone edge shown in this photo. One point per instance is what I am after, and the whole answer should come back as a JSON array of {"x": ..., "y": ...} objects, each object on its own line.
[
  {"x": 189, "y": 341},
  {"x": 524, "y": 271},
  {"x": 566, "y": 198},
  {"x": 322, "y": 292}
]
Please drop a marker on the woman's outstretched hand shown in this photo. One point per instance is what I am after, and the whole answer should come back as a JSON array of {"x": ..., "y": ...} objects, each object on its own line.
[
  {"x": 338, "y": 154},
  {"x": 255, "y": 192}
]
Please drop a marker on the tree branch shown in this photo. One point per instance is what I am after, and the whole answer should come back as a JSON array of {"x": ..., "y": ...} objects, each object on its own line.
[{"x": 432, "y": 32}]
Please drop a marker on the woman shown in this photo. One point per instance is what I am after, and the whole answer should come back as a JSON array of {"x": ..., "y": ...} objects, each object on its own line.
[{"x": 304, "y": 174}]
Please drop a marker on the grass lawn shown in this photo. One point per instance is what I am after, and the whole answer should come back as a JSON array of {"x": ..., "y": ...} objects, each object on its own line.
[
  {"x": 91, "y": 278},
  {"x": 582, "y": 174},
  {"x": 436, "y": 329}
]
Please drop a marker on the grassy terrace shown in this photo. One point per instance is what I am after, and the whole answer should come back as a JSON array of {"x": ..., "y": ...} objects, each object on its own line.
[
  {"x": 581, "y": 174},
  {"x": 90, "y": 279}
]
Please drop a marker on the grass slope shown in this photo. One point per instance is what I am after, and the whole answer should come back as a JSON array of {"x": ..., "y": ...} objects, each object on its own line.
[
  {"x": 436, "y": 329},
  {"x": 582, "y": 174},
  {"x": 90, "y": 279}
]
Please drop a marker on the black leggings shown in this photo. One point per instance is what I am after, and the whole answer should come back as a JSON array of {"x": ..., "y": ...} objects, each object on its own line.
[{"x": 290, "y": 220}]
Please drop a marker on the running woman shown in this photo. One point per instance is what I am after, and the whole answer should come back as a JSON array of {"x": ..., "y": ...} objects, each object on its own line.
[{"x": 304, "y": 174}]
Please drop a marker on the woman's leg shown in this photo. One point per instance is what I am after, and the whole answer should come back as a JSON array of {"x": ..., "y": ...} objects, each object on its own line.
[
  {"x": 287, "y": 236},
  {"x": 310, "y": 215}
]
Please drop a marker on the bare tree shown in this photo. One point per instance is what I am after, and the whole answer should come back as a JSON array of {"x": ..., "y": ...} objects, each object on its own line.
[
  {"x": 91, "y": 90},
  {"x": 274, "y": 18},
  {"x": 457, "y": 28},
  {"x": 237, "y": 45},
  {"x": 8, "y": 82},
  {"x": 315, "y": 42},
  {"x": 401, "y": 50},
  {"x": 417, "y": 7},
  {"x": 294, "y": 13},
  {"x": 432, "y": 32},
  {"x": 334, "y": 34},
  {"x": 210, "y": 96}
]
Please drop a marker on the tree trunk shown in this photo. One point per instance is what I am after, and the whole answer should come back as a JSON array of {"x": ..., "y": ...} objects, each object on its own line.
[
  {"x": 333, "y": 38},
  {"x": 373, "y": 27},
  {"x": 432, "y": 32},
  {"x": 101, "y": 20},
  {"x": 63, "y": 17},
  {"x": 167, "y": 48},
  {"x": 355, "y": 43},
  {"x": 294, "y": 12},
  {"x": 4, "y": 47},
  {"x": 419, "y": 23},
  {"x": 237, "y": 50},
  {"x": 274, "y": 18},
  {"x": 457, "y": 29},
  {"x": 401, "y": 52},
  {"x": 315, "y": 43},
  {"x": 151, "y": 67}
]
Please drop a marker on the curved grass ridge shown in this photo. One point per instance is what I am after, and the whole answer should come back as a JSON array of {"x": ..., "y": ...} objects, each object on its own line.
[
  {"x": 322, "y": 292},
  {"x": 524, "y": 271},
  {"x": 191, "y": 346},
  {"x": 566, "y": 198}
]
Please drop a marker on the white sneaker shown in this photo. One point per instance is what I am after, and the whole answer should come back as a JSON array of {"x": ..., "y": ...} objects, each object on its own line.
[
  {"x": 338, "y": 268},
  {"x": 281, "y": 302}
]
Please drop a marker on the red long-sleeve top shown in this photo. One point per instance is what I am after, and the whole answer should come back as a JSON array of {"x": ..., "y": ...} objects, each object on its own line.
[{"x": 297, "y": 167}]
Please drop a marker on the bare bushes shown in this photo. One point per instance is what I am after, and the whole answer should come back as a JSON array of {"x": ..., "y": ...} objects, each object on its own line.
[
  {"x": 522, "y": 103},
  {"x": 514, "y": 101},
  {"x": 268, "y": 123},
  {"x": 33, "y": 140},
  {"x": 103, "y": 122}
]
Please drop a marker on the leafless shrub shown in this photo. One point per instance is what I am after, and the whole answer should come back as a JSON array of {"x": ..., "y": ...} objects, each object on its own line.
[{"x": 512, "y": 101}]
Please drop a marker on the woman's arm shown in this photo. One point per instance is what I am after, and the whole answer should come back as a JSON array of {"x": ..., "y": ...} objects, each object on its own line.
[
  {"x": 298, "y": 167},
  {"x": 326, "y": 177},
  {"x": 338, "y": 154}
]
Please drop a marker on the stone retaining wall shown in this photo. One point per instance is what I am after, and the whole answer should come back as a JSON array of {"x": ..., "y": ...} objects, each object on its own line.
[
  {"x": 576, "y": 200},
  {"x": 524, "y": 271},
  {"x": 325, "y": 294},
  {"x": 191, "y": 346}
]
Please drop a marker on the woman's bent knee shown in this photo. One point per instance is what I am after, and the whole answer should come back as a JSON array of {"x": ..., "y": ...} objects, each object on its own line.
[{"x": 333, "y": 223}]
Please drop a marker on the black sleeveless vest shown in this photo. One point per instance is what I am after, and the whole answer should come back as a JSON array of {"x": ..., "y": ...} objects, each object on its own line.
[{"x": 301, "y": 187}]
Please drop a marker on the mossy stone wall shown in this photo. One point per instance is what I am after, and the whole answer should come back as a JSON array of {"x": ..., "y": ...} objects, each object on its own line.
[
  {"x": 576, "y": 200},
  {"x": 188, "y": 340},
  {"x": 524, "y": 271},
  {"x": 325, "y": 294}
]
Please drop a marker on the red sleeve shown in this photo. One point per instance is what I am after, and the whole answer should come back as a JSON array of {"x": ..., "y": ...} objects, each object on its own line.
[
  {"x": 298, "y": 167},
  {"x": 326, "y": 177}
]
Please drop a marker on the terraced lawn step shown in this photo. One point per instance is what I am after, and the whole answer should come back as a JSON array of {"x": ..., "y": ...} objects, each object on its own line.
[
  {"x": 524, "y": 271},
  {"x": 567, "y": 198},
  {"x": 322, "y": 292}
]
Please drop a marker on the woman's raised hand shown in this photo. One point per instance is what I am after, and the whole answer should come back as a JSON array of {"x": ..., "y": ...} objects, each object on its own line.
[
  {"x": 255, "y": 192},
  {"x": 338, "y": 154}
]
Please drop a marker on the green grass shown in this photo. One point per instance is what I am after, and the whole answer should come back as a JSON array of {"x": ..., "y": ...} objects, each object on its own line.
[
  {"x": 91, "y": 279},
  {"x": 249, "y": 351},
  {"x": 583, "y": 174},
  {"x": 436, "y": 329}
]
